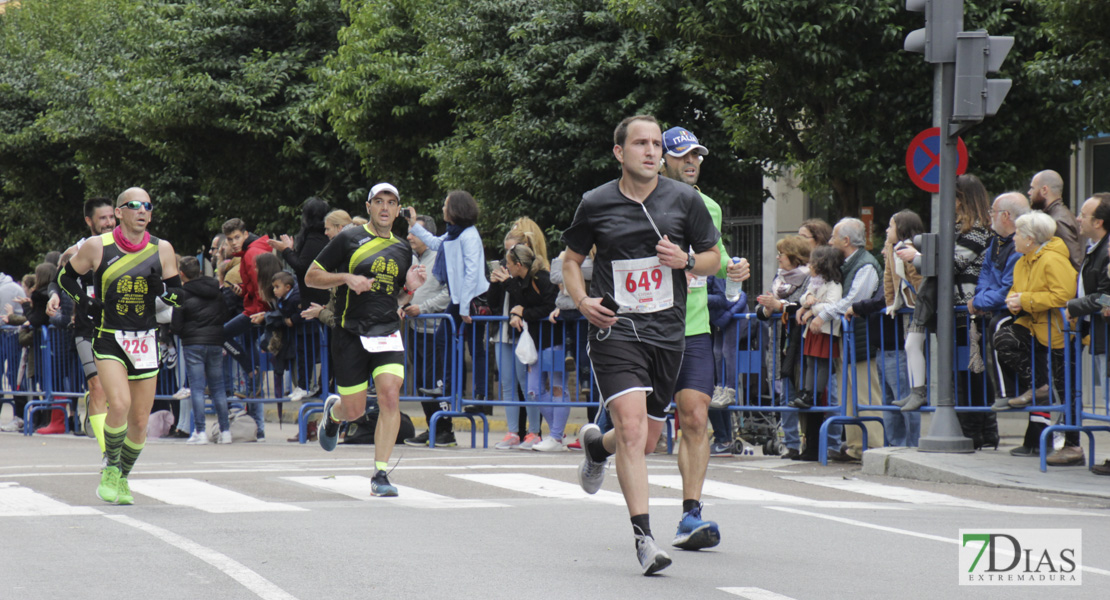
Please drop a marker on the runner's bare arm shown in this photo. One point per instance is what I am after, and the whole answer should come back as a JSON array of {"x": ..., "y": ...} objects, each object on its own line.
[{"x": 324, "y": 280}]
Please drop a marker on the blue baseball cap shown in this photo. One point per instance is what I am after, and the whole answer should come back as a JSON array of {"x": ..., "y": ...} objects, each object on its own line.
[{"x": 678, "y": 141}]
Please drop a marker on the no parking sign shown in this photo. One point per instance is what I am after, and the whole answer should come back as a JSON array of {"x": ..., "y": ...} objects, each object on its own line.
[{"x": 923, "y": 160}]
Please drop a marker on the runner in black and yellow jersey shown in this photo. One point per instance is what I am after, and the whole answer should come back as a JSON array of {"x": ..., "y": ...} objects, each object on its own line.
[
  {"x": 130, "y": 269},
  {"x": 373, "y": 271}
]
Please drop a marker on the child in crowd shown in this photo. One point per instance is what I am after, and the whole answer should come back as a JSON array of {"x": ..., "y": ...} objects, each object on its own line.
[
  {"x": 819, "y": 347},
  {"x": 279, "y": 339}
]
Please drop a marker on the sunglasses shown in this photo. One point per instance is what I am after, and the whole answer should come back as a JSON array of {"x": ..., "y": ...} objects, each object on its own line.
[{"x": 136, "y": 205}]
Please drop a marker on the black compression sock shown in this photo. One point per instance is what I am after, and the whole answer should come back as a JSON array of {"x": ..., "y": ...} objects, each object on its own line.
[
  {"x": 689, "y": 505},
  {"x": 597, "y": 451},
  {"x": 640, "y": 525}
]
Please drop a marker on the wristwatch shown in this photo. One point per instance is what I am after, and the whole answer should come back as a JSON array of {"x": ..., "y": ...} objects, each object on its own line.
[{"x": 690, "y": 262}]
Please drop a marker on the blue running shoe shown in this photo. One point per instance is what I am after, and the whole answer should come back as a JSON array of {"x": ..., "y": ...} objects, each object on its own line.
[
  {"x": 380, "y": 486},
  {"x": 694, "y": 533},
  {"x": 329, "y": 433}
]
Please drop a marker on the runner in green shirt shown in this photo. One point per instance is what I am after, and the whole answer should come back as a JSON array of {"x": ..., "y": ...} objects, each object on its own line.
[{"x": 682, "y": 162}]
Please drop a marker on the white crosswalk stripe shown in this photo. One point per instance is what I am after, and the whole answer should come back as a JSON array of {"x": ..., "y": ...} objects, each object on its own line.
[
  {"x": 754, "y": 593},
  {"x": 912, "y": 496},
  {"x": 358, "y": 487},
  {"x": 551, "y": 488},
  {"x": 18, "y": 501},
  {"x": 729, "y": 491},
  {"x": 204, "y": 496}
]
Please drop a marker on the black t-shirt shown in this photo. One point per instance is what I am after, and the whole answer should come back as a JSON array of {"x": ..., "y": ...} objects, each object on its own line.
[
  {"x": 385, "y": 260},
  {"x": 621, "y": 230}
]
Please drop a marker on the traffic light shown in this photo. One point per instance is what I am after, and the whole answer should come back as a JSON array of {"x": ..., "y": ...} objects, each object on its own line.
[
  {"x": 977, "y": 55},
  {"x": 926, "y": 260},
  {"x": 937, "y": 40}
]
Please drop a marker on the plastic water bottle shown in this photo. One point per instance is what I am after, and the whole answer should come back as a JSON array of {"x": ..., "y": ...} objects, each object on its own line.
[{"x": 732, "y": 288}]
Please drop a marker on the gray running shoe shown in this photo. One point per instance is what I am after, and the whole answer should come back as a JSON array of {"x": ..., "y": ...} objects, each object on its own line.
[
  {"x": 591, "y": 474},
  {"x": 380, "y": 486},
  {"x": 652, "y": 558}
]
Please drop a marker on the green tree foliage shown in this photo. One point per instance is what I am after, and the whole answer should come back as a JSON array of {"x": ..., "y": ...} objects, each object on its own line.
[
  {"x": 222, "y": 90},
  {"x": 51, "y": 54},
  {"x": 520, "y": 98},
  {"x": 205, "y": 103},
  {"x": 373, "y": 94},
  {"x": 1079, "y": 32},
  {"x": 829, "y": 91}
]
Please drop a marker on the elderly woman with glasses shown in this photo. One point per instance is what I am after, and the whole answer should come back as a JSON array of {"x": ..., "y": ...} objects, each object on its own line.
[{"x": 1044, "y": 281}]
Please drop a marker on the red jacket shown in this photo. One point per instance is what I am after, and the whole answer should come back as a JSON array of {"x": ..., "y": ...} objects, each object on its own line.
[{"x": 252, "y": 301}]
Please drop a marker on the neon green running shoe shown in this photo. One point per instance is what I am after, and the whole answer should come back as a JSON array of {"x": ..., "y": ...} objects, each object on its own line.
[
  {"x": 123, "y": 493},
  {"x": 108, "y": 490}
]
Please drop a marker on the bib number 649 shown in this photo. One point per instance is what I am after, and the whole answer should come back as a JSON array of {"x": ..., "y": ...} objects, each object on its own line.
[{"x": 644, "y": 281}]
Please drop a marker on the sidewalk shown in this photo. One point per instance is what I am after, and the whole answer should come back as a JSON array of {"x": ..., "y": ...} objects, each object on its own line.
[{"x": 994, "y": 468}]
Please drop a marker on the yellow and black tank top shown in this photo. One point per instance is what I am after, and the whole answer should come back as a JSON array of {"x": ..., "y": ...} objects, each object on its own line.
[
  {"x": 386, "y": 260},
  {"x": 121, "y": 284}
]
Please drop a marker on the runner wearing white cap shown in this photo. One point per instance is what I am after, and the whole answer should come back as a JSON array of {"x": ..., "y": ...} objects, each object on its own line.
[{"x": 366, "y": 265}]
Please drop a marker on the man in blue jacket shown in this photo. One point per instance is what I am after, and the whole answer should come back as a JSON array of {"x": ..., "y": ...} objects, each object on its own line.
[{"x": 995, "y": 280}]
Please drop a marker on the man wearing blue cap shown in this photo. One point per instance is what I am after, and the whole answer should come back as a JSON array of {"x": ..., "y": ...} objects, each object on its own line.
[{"x": 682, "y": 158}]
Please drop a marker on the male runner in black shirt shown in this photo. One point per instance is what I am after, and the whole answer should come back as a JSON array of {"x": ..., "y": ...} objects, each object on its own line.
[
  {"x": 642, "y": 225},
  {"x": 367, "y": 264},
  {"x": 100, "y": 217}
]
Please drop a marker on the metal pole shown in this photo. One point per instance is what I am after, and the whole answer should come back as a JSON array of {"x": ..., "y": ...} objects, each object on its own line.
[{"x": 945, "y": 433}]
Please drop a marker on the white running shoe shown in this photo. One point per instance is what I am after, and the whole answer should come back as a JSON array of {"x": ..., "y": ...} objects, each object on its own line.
[
  {"x": 297, "y": 394},
  {"x": 16, "y": 424},
  {"x": 197, "y": 439},
  {"x": 550, "y": 444},
  {"x": 183, "y": 394},
  {"x": 652, "y": 558},
  {"x": 225, "y": 437}
]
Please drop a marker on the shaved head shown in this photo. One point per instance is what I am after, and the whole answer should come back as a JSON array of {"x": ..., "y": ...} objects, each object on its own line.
[{"x": 135, "y": 193}]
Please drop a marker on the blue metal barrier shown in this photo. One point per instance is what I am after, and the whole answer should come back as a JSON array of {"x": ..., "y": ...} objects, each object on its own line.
[
  {"x": 48, "y": 359},
  {"x": 1097, "y": 380},
  {"x": 552, "y": 364},
  {"x": 452, "y": 353}
]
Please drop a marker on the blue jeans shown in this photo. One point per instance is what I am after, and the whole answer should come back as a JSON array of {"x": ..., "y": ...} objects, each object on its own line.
[
  {"x": 205, "y": 366},
  {"x": 543, "y": 378},
  {"x": 513, "y": 373},
  {"x": 791, "y": 436},
  {"x": 721, "y": 421},
  {"x": 248, "y": 361},
  {"x": 902, "y": 429}
]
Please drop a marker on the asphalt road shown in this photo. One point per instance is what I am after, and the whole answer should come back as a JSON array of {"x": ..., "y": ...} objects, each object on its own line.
[{"x": 281, "y": 521}]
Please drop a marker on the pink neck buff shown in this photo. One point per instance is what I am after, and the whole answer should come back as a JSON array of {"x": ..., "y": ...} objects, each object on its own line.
[{"x": 127, "y": 246}]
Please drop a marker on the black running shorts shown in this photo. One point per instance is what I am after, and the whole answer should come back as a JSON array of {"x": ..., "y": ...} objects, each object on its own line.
[
  {"x": 621, "y": 367},
  {"x": 105, "y": 347},
  {"x": 354, "y": 366}
]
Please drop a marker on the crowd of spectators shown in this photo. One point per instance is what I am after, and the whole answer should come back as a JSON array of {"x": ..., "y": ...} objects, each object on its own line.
[{"x": 1026, "y": 270}]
